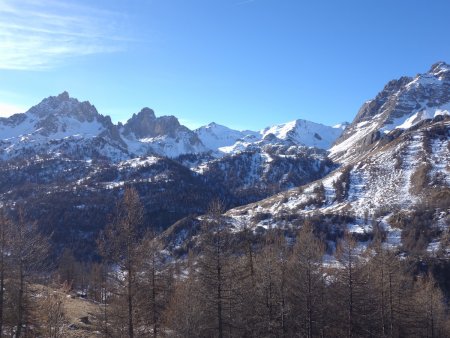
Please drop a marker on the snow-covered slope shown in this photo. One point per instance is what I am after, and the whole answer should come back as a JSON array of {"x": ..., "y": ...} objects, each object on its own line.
[
  {"x": 306, "y": 133},
  {"x": 224, "y": 140},
  {"x": 59, "y": 124},
  {"x": 267, "y": 169},
  {"x": 216, "y": 136},
  {"x": 394, "y": 177},
  {"x": 63, "y": 125},
  {"x": 408, "y": 175},
  {"x": 145, "y": 133},
  {"x": 400, "y": 105}
]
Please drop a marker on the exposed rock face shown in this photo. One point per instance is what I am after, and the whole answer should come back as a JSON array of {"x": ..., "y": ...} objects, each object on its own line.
[
  {"x": 56, "y": 113},
  {"x": 145, "y": 125},
  {"x": 400, "y": 184},
  {"x": 63, "y": 105},
  {"x": 141, "y": 124},
  {"x": 401, "y": 104},
  {"x": 162, "y": 135},
  {"x": 60, "y": 125},
  {"x": 13, "y": 120},
  {"x": 62, "y": 156}
]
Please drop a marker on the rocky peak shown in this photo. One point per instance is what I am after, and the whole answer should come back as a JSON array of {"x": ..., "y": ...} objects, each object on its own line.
[
  {"x": 402, "y": 96},
  {"x": 401, "y": 104},
  {"x": 64, "y": 105},
  {"x": 64, "y": 96},
  {"x": 372, "y": 107},
  {"x": 439, "y": 67},
  {"x": 212, "y": 125},
  {"x": 145, "y": 114},
  {"x": 146, "y": 125}
]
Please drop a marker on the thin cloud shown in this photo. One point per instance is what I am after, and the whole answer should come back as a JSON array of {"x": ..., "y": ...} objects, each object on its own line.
[{"x": 36, "y": 35}]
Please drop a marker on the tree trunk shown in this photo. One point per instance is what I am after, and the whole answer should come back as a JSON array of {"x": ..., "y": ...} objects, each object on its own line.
[
  {"x": 130, "y": 304},
  {"x": 350, "y": 300},
  {"x": 219, "y": 296},
  {"x": 20, "y": 302},
  {"x": 309, "y": 302},
  {"x": 155, "y": 326},
  {"x": 391, "y": 307},
  {"x": 383, "y": 326}
]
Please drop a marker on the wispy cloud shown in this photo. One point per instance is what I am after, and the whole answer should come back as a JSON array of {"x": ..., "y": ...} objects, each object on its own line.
[{"x": 43, "y": 34}]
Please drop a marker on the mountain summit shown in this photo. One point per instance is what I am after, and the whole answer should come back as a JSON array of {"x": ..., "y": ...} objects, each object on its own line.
[
  {"x": 64, "y": 105},
  {"x": 400, "y": 105},
  {"x": 64, "y": 125}
]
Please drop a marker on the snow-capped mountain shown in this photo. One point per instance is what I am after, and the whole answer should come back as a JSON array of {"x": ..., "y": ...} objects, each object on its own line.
[
  {"x": 64, "y": 150},
  {"x": 215, "y": 136},
  {"x": 305, "y": 133},
  {"x": 60, "y": 124},
  {"x": 393, "y": 179},
  {"x": 144, "y": 133},
  {"x": 400, "y": 105},
  {"x": 389, "y": 168},
  {"x": 63, "y": 125},
  {"x": 224, "y": 140},
  {"x": 399, "y": 189},
  {"x": 389, "y": 178}
]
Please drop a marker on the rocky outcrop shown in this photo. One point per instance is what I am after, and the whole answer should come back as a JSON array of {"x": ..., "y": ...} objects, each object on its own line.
[
  {"x": 145, "y": 125},
  {"x": 401, "y": 104}
]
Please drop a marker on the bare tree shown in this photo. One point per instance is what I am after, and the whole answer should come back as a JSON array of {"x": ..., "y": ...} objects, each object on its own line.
[
  {"x": 51, "y": 315},
  {"x": 28, "y": 251},
  {"x": 154, "y": 281},
  {"x": 214, "y": 270},
  {"x": 271, "y": 306},
  {"x": 428, "y": 308},
  {"x": 120, "y": 247},
  {"x": 183, "y": 315},
  {"x": 306, "y": 281},
  {"x": 4, "y": 231},
  {"x": 349, "y": 258}
]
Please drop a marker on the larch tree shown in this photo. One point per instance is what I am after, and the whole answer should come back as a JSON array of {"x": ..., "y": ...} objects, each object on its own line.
[
  {"x": 120, "y": 247},
  {"x": 154, "y": 280},
  {"x": 5, "y": 227},
  {"x": 215, "y": 272},
  {"x": 28, "y": 250},
  {"x": 306, "y": 282},
  {"x": 348, "y": 277},
  {"x": 271, "y": 306},
  {"x": 184, "y": 313}
]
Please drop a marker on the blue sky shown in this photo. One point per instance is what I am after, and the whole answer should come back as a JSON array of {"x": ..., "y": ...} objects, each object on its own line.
[{"x": 242, "y": 63}]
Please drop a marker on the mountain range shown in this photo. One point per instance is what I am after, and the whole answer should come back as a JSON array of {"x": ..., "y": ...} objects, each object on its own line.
[
  {"x": 388, "y": 166},
  {"x": 61, "y": 125}
]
